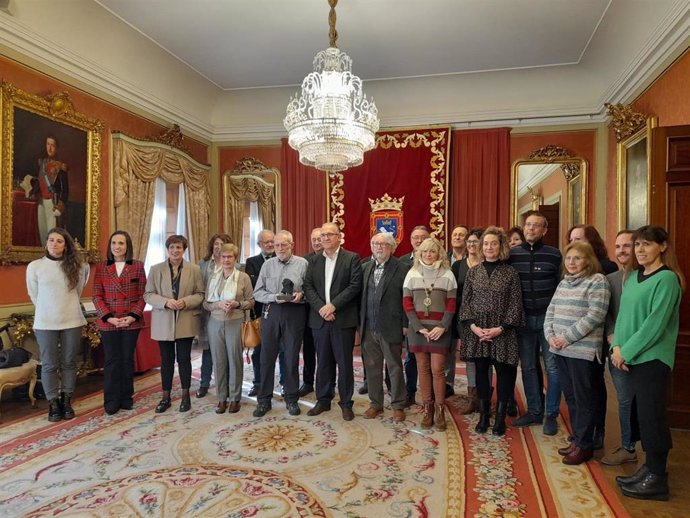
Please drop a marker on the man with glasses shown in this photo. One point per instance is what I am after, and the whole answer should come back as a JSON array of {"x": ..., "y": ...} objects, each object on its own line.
[
  {"x": 539, "y": 266},
  {"x": 279, "y": 290},
  {"x": 383, "y": 324},
  {"x": 265, "y": 240},
  {"x": 418, "y": 235},
  {"x": 332, "y": 287}
]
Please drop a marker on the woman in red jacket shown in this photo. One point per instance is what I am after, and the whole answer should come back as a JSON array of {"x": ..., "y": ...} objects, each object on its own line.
[{"x": 118, "y": 294}]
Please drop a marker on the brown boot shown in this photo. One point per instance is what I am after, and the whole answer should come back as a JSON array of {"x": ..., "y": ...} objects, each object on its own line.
[
  {"x": 440, "y": 418},
  {"x": 470, "y": 403},
  {"x": 427, "y": 415}
]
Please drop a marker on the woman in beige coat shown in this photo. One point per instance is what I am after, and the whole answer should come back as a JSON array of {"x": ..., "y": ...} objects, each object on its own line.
[
  {"x": 175, "y": 291},
  {"x": 229, "y": 295}
]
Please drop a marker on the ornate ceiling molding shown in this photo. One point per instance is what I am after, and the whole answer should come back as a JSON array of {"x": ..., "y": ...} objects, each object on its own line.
[
  {"x": 625, "y": 120},
  {"x": 172, "y": 137}
]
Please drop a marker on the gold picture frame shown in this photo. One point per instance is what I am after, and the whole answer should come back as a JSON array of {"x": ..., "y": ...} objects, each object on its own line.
[
  {"x": 29, "y": 124},
  {"x": 634, "y": 154}
]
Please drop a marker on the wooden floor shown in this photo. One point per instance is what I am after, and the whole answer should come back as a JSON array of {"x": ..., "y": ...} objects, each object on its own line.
[{"x": 679, "y": 460}]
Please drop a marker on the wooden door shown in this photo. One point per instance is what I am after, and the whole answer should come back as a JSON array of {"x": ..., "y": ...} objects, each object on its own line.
[
  {"x": 670, "y": 208},
  {"x": 552, "y": 213}
]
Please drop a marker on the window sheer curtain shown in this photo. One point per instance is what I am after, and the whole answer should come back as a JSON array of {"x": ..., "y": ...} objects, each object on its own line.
[
  {"x": 136, "y": 166},
  {"x": 156, "y": 244},
  {"x": 241, "y": 189}
]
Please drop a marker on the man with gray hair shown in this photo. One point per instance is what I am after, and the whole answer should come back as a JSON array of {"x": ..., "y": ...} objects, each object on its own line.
[
  {"x": 279, "y": 289},
  {"x": 383, "y": 324}
]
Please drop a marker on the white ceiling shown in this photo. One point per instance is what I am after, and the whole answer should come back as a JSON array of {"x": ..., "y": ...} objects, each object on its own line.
[{"x": 262, "y": 43}]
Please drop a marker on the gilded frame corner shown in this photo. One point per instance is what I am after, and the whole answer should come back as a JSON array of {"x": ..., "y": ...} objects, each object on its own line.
[
  {"x": 623, "y": 173},
  {"x": 54, "y": 111}
]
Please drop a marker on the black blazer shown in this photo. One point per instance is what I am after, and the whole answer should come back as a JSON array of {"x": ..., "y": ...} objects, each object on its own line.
[
  {"x": 391, "y": 317},
  {"x": 345, "y": 289},
  {"x": 252, "y": 268}
]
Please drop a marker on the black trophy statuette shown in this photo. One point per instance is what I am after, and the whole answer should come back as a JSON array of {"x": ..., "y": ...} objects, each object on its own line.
[{"x": 288, "y": 290}]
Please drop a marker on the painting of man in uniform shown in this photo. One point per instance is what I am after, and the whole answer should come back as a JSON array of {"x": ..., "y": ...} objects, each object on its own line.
[{"x": 49, "y": 179}]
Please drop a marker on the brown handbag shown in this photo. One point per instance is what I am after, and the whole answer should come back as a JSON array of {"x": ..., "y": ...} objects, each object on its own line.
[{"x": 251, "y": 333}]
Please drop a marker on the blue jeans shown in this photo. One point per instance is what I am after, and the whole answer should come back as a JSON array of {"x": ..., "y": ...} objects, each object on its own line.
[
  {"x": 621, "y": 380},
  {"x": 531, "y": 338}
]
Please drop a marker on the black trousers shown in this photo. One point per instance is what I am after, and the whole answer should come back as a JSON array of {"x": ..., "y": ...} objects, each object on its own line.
[
  {"x": 578, "y": 382},
  {"x": 118, "y": 369},
  {"x": 649, "y": 382},
  {"x": 334, "y": 352},
  {"x": 505, "y": 379},
  {"x": 182, "y": 348},
  {"x": 282, "y": 331},
  {"x": 308, "y": 355}
]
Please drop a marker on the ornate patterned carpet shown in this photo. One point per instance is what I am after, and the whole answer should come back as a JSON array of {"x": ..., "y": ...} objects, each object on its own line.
[{"x": 138, "y": 463}]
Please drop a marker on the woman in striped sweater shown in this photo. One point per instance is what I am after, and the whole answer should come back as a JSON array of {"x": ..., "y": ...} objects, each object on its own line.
[
  {"x": 429, "y": 294},
  {"x": 574, "y": 328}
]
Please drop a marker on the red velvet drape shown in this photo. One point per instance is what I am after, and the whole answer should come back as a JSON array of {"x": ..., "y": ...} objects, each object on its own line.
[
  {"x": 480, "y": 178},
  {"x": 303, "y": 200},
  {"x": 405, "y": 163}
]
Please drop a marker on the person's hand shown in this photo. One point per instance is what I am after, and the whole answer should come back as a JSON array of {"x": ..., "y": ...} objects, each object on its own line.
[
  {"x": 405, "y": 331},
  {"x": 617, "y": 359},
  {"x": 326, "y": 311},
  {"x": 113, "y": 321},
  {"x": 57, "y": 213},
  {"x": 477, "y": 331},
  {"x": 435, "y": 333},
  {"x": 558, "y": 342},
  {"x": 171, "y": 304},
  {"x": 297, "y": 296},
  {"x": 609, "y": 338},
  {"x": 127, "y": 321}
]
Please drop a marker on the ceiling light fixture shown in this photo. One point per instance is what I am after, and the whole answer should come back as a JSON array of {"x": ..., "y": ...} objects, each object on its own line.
[{"x": 331, "y": 123}]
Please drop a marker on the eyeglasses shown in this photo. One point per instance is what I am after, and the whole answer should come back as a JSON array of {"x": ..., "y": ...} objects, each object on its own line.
[
  {"x": 379, "y": 244},
  {"x": 472, "y": 243},
  {"x": 282, "y": 245},
  {"x": 574, "y": 259},
  {"x": 328, "y": 235}
]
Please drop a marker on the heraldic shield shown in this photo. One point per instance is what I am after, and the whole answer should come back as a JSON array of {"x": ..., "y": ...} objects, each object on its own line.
[{"x": 387, "y": 216}]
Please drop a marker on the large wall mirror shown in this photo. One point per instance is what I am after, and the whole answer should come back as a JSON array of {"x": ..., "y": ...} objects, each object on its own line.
[
  {"x": 554, "y": 181},
  {"x": 251, "y": 202}
]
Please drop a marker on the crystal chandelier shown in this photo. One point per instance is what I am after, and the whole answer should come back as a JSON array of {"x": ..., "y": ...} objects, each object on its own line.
[{"x": 331, "y": 123}]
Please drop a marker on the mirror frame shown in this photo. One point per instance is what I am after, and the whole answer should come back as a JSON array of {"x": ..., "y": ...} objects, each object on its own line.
[{"x": 575, "y": 168}]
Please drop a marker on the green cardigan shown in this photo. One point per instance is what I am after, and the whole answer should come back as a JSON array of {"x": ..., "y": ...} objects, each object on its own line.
[{"x": 647, "y": 324}]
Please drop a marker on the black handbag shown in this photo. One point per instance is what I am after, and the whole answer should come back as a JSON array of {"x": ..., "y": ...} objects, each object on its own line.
[{"x": 14, "y": 357}]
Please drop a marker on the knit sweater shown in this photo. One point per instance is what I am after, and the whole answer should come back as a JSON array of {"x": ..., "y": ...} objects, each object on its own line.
[
  {"x": 578, "y": 312},
  {"x": 440, "y": 313},
  {"x": 539, "y": 266},
  {"x": 647, "y": 324},
  {"x": 57, "y": 307}
]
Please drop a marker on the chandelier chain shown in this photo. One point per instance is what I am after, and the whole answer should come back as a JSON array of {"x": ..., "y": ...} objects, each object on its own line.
[{"x": 332, "y": 33}]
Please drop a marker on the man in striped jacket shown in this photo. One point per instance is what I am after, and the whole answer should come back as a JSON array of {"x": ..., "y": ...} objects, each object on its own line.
[{"x": 539, "y": 266}]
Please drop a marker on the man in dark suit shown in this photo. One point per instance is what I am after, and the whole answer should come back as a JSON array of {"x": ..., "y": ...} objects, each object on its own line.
[
  {"x": 332, "y": 287},
  {"x": 418, "y": 235},
  {"x": 308, "y": 350},
  {"x": 383, "y": 324},
  {"x": 253, "y": 268}
]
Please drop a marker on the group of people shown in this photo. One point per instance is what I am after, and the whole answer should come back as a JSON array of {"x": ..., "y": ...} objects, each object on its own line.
[{"x": 502, "y": 299}]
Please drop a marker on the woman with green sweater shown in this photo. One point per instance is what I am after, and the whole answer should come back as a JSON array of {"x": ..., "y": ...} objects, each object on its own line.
[
  {"x": 574, "y": 328},
  {"x": 644, "y": 343}
]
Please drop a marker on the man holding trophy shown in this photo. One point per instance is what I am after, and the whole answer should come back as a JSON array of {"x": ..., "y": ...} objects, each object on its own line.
[{"x": 279, "y": 288}]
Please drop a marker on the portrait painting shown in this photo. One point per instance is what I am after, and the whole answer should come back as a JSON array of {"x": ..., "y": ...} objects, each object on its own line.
[{"x": 50, "y": 173}]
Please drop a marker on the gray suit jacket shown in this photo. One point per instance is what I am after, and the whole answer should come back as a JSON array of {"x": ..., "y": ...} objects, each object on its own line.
[
  {"x": 167, "y": 324},
  {"x": 391, "y": 317}
]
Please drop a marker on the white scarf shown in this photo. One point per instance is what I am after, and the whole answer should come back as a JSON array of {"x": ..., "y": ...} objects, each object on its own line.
[{"x": 220, "y": 288}]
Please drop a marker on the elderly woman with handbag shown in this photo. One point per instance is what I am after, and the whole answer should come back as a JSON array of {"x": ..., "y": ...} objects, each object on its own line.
[{"x": 229, "y": 295}]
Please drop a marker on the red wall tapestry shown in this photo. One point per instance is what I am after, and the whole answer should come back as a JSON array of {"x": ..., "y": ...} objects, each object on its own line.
[{"x": 408, "y": 167}]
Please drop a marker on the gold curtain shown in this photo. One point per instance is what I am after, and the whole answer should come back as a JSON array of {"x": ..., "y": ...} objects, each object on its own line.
[
  {"x": 243, "y": 188},
  {"x": 137, "y": 164}
]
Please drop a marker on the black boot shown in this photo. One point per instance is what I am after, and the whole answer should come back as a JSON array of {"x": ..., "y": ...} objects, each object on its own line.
[
  {"x": 500, "y": 422},
  {"x": 650, "y": 487},
  {"x": 164, "y": 403},
  {"x": 66, "y": 404},
  {"x": 512, "y": 407},
  {"x": 633, "y": 479},
  {"x": 484, "y": 415},
  {"x": 186, "y": 403},
  {"x": 54, "y": 410}
]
